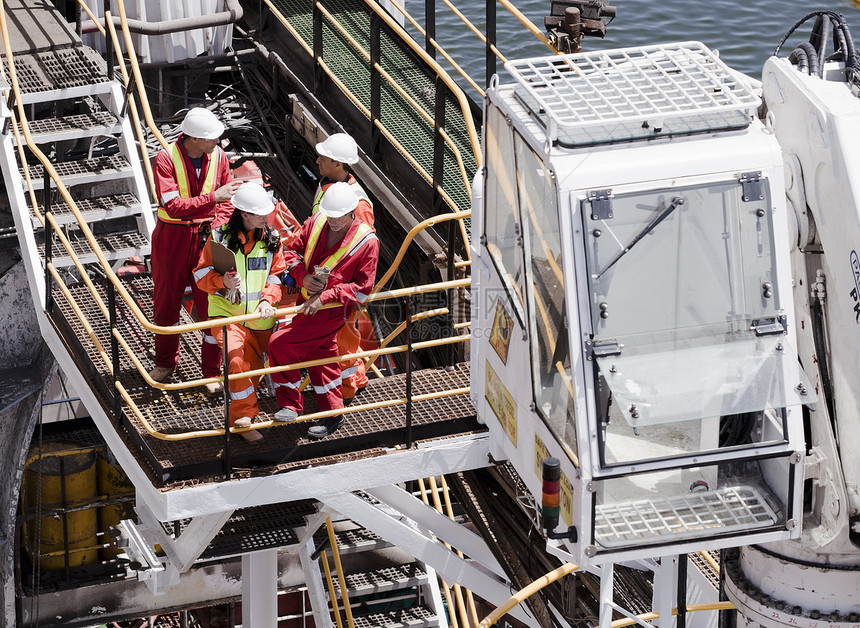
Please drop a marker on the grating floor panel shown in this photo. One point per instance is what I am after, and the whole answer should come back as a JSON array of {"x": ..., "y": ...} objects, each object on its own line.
[
  {"x": 729, "y": 509},
  {"x": 83, "y": 171},
  {"x": 263, "y": 527},
  {"x": 81, "y": 124},
  {"x": 415, "y": 617},
  {"x": 60, "y": 69},
  {"x": 365, "y": 434},
  {"x": 94, "y": 208},
  {"x": 384, "y": 579},
  {"x": 118, "y": 245}
]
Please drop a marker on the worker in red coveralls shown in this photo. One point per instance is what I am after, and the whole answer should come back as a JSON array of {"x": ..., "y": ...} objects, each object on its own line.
[
  {"x": 256, "y": 276},
  {"x": 194, "y": 187},
  {"x": 336, "y": 154},
  {"x": 337, "y": 240}
]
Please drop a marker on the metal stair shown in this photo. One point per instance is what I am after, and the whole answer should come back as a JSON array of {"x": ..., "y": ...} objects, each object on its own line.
[
  {"x": 382, "y": 592},
  {"x": 79, "y": 121}
]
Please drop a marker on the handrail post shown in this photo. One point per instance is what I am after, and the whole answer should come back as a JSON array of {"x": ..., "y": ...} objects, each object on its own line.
[
  {"x": 408, "y": 374},
  {"x": 449, "y": 293},
  {"x": 114, "y": 352},
  {"x": 491, "y": 41},
  {"x": 318, "y": 45},
  {"x": 430, "y": 26},
  {"x": 375, "y": 85},
  {"x": 439, "y": 144},
  {"x": 108, "y": 44},
  {"x": 78, "y": 21},
  {"x": 225, "y": 365},
  {"x": 49, "y": 237}
]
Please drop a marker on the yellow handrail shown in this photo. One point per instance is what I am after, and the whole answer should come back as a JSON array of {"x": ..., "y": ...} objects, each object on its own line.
[{"x": 341, "y": 578}]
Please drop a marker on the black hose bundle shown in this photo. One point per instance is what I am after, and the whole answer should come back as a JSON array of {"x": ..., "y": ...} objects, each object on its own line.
[{"x": 811, "y": 56}]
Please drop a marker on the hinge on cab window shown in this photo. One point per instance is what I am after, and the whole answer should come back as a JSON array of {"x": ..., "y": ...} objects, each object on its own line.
[
  {"x": 770, "y": 326},
  {"x": 752, "y": 187},
  {"x": 601, "y": 204},
  {"x": 601, "y": 348}
]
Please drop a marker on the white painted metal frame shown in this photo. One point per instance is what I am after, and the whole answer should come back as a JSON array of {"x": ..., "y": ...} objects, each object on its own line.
[{"x": 402, "y": 533}]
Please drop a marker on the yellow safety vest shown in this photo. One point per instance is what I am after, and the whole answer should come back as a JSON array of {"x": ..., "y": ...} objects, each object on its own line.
[
  {"x": 182, "y": 178},
  {"x": 359, "y": 192},
  {"x": 332, "y": 260},
  {"x": 253, "y": 270}
]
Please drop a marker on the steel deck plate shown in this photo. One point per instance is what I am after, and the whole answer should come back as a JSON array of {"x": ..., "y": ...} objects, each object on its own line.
[
  {"x": 93, "y": 209},
  {"x": 96, "y": 170},
  {"x": 365, "y": 433}
]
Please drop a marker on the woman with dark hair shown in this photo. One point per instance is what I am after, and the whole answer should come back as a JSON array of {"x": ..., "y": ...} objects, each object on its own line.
[{"x": 252, "y": 285}]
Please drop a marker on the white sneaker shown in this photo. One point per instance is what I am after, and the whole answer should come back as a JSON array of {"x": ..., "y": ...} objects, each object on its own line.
[
  {"x": 243, "y": 422},
  {"x": 285, "y": 415},
  {"x": 214, "y": 388},
  {"x": 251, "y": 436}
]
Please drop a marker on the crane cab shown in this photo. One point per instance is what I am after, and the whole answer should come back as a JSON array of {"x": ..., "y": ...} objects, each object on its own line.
[{"x": 632, "y": 307}]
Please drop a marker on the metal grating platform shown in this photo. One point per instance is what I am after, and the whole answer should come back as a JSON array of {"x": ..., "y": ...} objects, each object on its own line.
[
  {"x": 73, "y": 127},
  {"x": 115, "y": 246},
  {"x": 729, "y": 509},
  {"x": 415, "y": 617},
  {"x": 95, "y": 170},
  {"x": 634, "y": 92},
  {"x": 93, "y": 209},
  {"x": 259, "y": 528},
  {"x": 365, "y": 434},
  {"x": 75, "y": 70},
  {"x": 385, "y": 579}
]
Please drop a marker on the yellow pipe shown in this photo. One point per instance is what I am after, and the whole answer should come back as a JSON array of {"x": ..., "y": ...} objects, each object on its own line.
[
  {"x": 527, "y": 591},
  {"x": 473, "y": 612},
  {"x": 91, "y": 334},
  {"x": 141, "y": 86},
  {"x": 458, "y": 591},
  {"x": 691, "y": 608},
  {"x": 132, "y": 107},
  {"x": 341, "y": 578},
  {"x": 527, "y": 23},
  {"x": 445, "y": 588},
  {"x": 331, "y": 592},
  {"x": 710, "y": 560}
]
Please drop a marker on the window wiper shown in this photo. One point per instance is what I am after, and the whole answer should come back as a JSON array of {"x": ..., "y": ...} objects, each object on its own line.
[{"x": 664, "y": 213}]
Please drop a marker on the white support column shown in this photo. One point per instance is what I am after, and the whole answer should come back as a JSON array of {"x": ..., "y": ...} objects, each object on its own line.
[
  {"x": 314, "y": 582},
  {"x": 260, "y": 589},
  {"x": 665, "y": 590},
  {"x": 607, "y": 577}
]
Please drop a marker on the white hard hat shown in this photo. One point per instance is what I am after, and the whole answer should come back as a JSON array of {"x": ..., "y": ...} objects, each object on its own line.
[
  {"x": 254, "y": 199},
  {"x": 340, "y": 147},
  {"x": 202, "y": 123},
  {"x": 338, "y": 200}
]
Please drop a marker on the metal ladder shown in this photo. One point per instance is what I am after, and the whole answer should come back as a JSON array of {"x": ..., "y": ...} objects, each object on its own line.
[{"x": 75, "y": 106}]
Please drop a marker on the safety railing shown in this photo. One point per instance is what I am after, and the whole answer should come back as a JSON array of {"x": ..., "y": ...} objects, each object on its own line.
[
  {"x": 444, "y": 192},
  {"x": 487, "y": 38},
  {"x": 117, "y": 291}
]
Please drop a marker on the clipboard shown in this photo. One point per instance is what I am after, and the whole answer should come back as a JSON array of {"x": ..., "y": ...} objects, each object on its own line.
[{"x": 223, "y": 260}]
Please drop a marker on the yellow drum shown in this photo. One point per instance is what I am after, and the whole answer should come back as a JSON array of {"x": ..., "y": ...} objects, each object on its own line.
[
  {"x": 76, "y": 476},
  {"x": 113, "y": 483}
]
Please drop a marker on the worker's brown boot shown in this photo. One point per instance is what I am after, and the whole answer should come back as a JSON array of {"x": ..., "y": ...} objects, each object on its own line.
[{"x": 161, "y": 373}]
